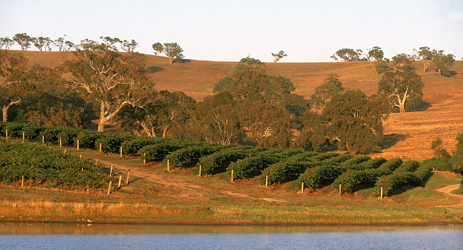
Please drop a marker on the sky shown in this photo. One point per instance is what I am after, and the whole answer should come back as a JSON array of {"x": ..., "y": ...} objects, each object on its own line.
[{"x": 228, "y": 30}]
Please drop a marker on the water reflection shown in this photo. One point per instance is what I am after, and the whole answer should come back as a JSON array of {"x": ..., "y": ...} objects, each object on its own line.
[{"x": 32, "y": 228}]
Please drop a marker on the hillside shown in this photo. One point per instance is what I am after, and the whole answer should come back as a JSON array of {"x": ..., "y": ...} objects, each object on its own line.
[{"x": 406, "y": 135}]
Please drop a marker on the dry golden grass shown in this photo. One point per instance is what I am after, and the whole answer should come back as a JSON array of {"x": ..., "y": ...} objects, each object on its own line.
[{"x": 406, "y": 135}]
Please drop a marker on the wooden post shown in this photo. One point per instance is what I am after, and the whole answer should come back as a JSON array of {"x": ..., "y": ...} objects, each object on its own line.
[
  {"x": 200, "y": 170},
  {"x": 24, "y": 137},
  {"x": 120, "y": 178},
  {"x": 77, "y": 144},
  {"x": 80, "y": 156},
  {"x": 128, "y": 174},
  {"x": 100, "y": 147},
  {"x": 6, "y": 134},
  {"x": 168, "y": 167},
  {"x": 266, "y": 180},
  {"x": 144, "y": 158},
  {"x": 121, "y": 151},
  {"x": 22, "y": 181},
  {"x": 60, "y": 144},
  {"x": 43, "y": 138},
  {"x": 232, "y": 175},
  {"x": 381, "y": 193},
  {"x": 109, "y": 188},
  {"x": 64, "y": 151},
  {"x": 302, "y": 187},
  {"x": 111, "y": 171},
  {"x": 339, "y": 189}
]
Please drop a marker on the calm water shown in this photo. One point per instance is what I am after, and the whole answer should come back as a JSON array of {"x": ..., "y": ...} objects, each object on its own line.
[{"x": 73, "y": 236}]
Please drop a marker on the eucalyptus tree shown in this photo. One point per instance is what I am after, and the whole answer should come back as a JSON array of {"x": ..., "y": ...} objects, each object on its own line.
[
  {"x": 12, "y": 68},
  {"x": 109, "y": 79},
  {"x": 347, "y": 54},
  {"x": 42, "y": 42},
  {"x": 158, "y": 48},
  {"x": 6, "y": 42},
  {"x": 403, "y": 88},
  {"x": 378, "y": 62},
  {"x": 424, "y": 53},
  {"x": 353, "y": 121},
  {"x": 330, "y": 87},
  {"x": 128, "y": 46},
  {"x": 23, "y": 40},
  {"x": 278, "y": 56},
  {"x": 173, "y": 51},
  {"x": 402, "y": 60},
  {"x": 442, "y": 61}
]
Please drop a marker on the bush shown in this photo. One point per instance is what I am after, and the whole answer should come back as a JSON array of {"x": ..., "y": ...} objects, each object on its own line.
[
  {"x": 192, "y": 154},
  {"x": 111, "y": 142},
  {"x": 161, "y": 150},
  {"x": 132, "y": 147},
  {"x": 252, "y": 166},
  {"x": 438, "y": 163},
  {"x": 219, "y": 161}
]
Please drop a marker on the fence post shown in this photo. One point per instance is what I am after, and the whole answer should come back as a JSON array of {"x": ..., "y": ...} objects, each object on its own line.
[
  {"x": 111, "y": 171},
  {"x": 168, "y": 167},
  {"x": 302, "y": 187},
  {"x": 144, "y": 158},
  {"x": 128, "y": 174},
  {"x": 22, "y": 181},
  {"x": 232, "y": 175},
  {"x": 43, "y": 138},
  {"x": 200, "y": 169},
  {"x": 6, "y": 134},
  {"x": 77, "y": 144},
  {"x": 266, "y": 180},
  {"x": 100, "y": 147},
  {"x": 381, "y": 193},
  {"x": 121, "y": 151},
  {"x": 339, "y": 189},
  {"x": 60, "y": 144},
  {"x": 109, "y": 188},
  {"x": 24, "y": 137},
  {"x": 120, "y": 178}
]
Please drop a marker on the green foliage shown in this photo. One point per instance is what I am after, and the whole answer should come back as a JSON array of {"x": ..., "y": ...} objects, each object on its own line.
[
  {"x": 87, "y": 139},
  {"x": 293, "y": 167},
  {"x": 354, "y": 178},
  {"x": 173, "y": 51},
  {"x": 252, "y": 166},
  {"x": 438, "y": 163},
  {"x": 219, "y": 161},
  {"x": 160, "y": 150},
  {"x": 68, "y": 136},
  {"x": 192, "y": 154},
  {"x": 330, "y": 87},
  {"x": 133, "y": 147},
  {"x": 403, "y": 88},
  {"x": 111, "y": 142},
  {"x": 45, "y": 165},
  {"x": 352, "y": 121},
  {"x": 457, "y": 157},
  {"x": 347, "y": 54},
  {"x": 403, "y": 176}
]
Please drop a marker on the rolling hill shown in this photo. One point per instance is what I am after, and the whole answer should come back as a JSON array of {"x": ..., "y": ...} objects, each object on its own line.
[{"x": 407, "y": 136}]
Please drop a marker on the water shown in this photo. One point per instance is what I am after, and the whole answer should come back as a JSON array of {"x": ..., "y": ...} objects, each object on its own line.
[{"x": 127, "y": 236}]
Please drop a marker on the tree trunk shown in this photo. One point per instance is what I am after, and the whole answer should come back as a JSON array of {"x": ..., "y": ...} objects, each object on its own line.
[
  {"x": 402, "y": 108},
  {"x": 439, "y": 72},
  {"x": 350, "y": 150},
  {"x": 102, "y": 118},
  {"x": 5, "y": 113},
  {"x": 164, "y": 132}
]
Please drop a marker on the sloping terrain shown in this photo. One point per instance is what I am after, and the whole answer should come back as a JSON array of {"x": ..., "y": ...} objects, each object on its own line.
[{"x": 406, "y": 135}]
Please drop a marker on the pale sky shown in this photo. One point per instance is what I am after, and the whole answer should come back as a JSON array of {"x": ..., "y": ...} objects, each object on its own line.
[{"x": 228, "y": 30}]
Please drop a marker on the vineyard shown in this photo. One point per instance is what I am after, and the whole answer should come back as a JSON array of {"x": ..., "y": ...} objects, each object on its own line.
[{"x": 42, "y": 165}]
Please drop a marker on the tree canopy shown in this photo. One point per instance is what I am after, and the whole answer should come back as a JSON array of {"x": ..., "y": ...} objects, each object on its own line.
[
  {"x": 330, "y": 87},
  {"x": 278, "y": 56},
  {"x": 353, "y": 121},
  {"x": 348, "y": 55},
  {"x": 403, "y": 89},
  {"x": 109, "y": 79}
]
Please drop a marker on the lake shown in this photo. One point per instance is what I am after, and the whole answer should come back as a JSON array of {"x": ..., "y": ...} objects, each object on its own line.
[{"x": 149, "y": 236}]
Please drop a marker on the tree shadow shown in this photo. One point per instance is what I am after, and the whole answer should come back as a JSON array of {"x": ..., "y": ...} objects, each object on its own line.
[
  {"x": 154, "y": 69},
  {"x": 184, "y": 60},
  {"x": 390, "y": 140},
  {"x": 423, "y": 106}
]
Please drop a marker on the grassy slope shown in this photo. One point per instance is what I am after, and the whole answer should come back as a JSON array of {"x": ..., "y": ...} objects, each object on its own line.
[{"x": 406, "y": 136}]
